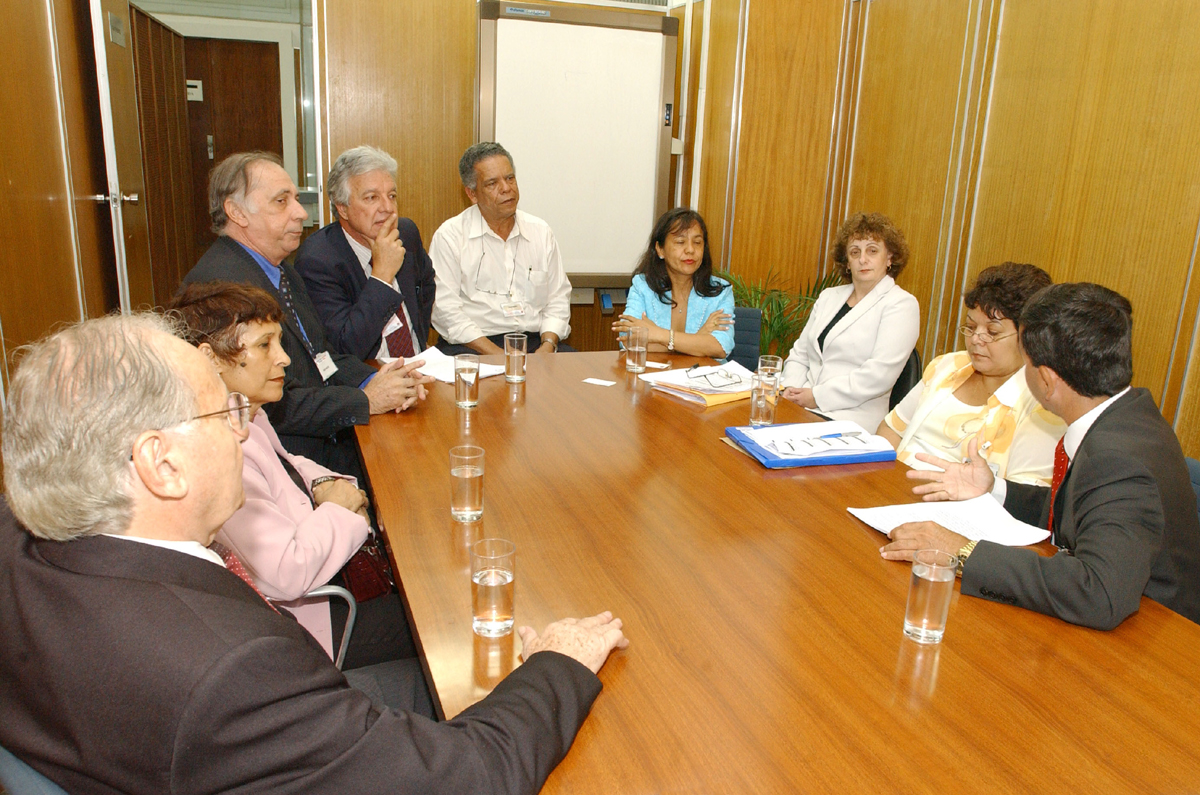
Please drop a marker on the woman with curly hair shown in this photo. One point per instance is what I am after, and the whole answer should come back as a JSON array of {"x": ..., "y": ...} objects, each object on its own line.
[
  {"x": 859, "y": 335},
  {"x": 980, "y": 393}
]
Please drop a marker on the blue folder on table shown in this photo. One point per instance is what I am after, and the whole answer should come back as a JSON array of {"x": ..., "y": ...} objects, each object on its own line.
[{"x": 837, "y": 446}]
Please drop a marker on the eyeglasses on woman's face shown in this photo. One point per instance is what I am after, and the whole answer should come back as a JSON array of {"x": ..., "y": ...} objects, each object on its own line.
[{"x": 984, "y": 336}]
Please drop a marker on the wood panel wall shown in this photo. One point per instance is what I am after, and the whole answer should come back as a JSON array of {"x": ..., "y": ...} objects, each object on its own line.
[{"x": 159, "y": 75}]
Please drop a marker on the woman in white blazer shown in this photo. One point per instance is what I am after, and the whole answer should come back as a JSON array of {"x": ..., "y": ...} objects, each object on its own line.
[{"x": 859, "y": 335}]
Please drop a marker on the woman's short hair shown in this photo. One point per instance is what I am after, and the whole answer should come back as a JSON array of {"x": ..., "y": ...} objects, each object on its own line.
[
  {"x": 870, "y": 226},
  {"x": 76, "y": 405},
  {"x": 217, "y": 312},
  {"x": 654, "y": 267},
  {"x": 1002, "y": 291}
]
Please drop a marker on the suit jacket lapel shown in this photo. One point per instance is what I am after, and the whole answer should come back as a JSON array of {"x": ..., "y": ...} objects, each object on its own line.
[
  {"x": 346, "y": 257},
  {"x": 858, "y": 310}
]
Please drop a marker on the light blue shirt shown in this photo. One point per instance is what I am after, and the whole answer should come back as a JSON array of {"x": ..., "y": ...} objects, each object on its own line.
[{"x": 642, "y": 299}]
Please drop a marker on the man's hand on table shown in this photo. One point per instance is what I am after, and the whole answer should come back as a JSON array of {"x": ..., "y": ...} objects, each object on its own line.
[
  {"x": 954, "y": 481},
  {"x": 911, "y": 536},
  {"x": 397, "y": 386},
  {"x": 588, "y": 640}
]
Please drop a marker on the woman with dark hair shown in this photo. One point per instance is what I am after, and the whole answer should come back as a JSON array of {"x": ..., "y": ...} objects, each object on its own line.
[
  {"x": 674, "y": 294},
  {"x": 980, "y": 393},
  {"x": 859, "y": 335},
  {"x": 301, "y": 522}
]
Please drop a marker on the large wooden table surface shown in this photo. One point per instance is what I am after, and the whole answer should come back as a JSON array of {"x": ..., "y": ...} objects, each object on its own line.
[{"x": 767, "y": 654}]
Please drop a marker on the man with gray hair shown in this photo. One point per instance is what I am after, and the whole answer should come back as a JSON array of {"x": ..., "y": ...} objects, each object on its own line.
[
  {"x": 134, "y": 661},
  {"x": 255, "y": 211},
  {"x": 498, "y": 268},
  {"x": 367, "y": 272}
]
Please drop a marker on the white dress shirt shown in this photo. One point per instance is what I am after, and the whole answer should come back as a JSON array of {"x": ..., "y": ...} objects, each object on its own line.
[
  {"x": 192, "y": 548},
  {"x": 488, "y": 286},
  {"x": 364, "y": 259}
]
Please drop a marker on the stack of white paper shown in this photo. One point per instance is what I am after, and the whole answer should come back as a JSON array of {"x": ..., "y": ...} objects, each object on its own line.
[
  {"x": 718, "y": 379},
  {"x": 441, "y": 366},
  {"x": 979, "y": 519}
]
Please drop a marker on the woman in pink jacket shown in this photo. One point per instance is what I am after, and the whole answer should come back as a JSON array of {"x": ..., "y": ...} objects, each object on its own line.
[{"x": 301, "y": 522}]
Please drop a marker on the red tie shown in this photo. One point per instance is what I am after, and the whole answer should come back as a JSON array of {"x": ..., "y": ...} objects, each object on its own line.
[
  {"x": 1061, "y": 462},
  {"x": 235, "y": 565},
  {"x": 399, "y": 342}
]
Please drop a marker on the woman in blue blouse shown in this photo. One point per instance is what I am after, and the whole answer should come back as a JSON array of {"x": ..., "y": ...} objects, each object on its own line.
[{"x": 677, "y": 262}]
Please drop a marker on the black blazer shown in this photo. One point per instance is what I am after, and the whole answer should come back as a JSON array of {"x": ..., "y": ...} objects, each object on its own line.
[
  {"x": 355, "y": 308},
  {"x": 312, "y": 412},
  {"x": 1126, "y": 513},
  {"x": 130, "y": 668}
]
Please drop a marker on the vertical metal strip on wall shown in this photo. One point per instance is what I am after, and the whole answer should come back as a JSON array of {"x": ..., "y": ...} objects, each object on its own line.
[
  {"x": 833, "y": 168},
  {"x": 68, "y": 182},
  {"x": 735, "y": 130},
  {"x": 320, "y": 75},
  {"x": 1187, "y": 367}
]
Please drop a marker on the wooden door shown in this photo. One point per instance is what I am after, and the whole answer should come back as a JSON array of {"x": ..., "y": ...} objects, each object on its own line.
[
  {"x": 159, "y": 72},
  {"x": 239, "y": 81},
  {"x": 122, "y": 150}
]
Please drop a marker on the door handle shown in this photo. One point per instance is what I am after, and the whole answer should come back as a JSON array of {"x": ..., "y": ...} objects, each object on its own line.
[
  {"x": 132, "y": 198},
  {"x": 102, "y": 198}
]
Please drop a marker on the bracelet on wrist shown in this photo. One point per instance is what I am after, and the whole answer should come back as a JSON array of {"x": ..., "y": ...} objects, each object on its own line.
[
  {"x": 963, "y": 553},
  {"x": 671, "y": 341},
  {"x": 323, "y": 479}
]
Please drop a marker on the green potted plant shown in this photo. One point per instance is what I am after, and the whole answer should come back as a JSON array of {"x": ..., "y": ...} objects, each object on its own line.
[{"x": 783, "y": 313}]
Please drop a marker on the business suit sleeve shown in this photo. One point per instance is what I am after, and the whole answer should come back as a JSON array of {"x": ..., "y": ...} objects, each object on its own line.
[
  {"x": 353, "y": 325},
  {"x": 1028, "y": 503},
  {"x": 896, "y": 335},
  {"x": 1119, "y": 527},
  {"x": 282, "y": 720}
]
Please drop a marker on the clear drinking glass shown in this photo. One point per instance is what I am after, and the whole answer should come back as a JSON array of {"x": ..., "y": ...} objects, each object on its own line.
[
  {"x": 466, "y": 483},
  {"x": 635, "y": 349},
  {"x": 492, "y": 570},
  {"x": 764, "y": 394},
  {"x": 515, "y": 347},
  {"x": 929, "y": 593},
  {"x": 770, "y": 364},
  {"x": 466, "y": 380}
]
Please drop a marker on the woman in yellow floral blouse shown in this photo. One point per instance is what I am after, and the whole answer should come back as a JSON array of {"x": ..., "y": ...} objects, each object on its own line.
[{"x": 981, "y": 392}]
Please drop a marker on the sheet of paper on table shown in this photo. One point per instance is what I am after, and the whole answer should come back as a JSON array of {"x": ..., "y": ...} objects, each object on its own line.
[
  {"x": 441, "y": 366},
  {"x": 979, "y": 519},
  {"x": 717, "y": 379}
]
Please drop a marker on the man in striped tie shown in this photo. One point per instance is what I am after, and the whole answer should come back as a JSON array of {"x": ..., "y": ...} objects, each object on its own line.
[
  {"x": 367, "y": 273},
  {"x": 1121, "y": 509}
]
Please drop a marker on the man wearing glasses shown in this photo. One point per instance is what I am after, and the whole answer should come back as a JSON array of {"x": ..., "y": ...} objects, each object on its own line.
[
  {"x": 498, "y": 269},
  {"x": 137, "y": 660}
]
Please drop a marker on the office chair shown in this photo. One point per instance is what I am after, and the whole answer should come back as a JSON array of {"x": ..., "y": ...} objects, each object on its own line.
[
  {"x": 747, "y": 328},
  {"x": 18, "y": 778},
  {"x": 341, "y": 593},
  {"x": 909, "y": 377}
]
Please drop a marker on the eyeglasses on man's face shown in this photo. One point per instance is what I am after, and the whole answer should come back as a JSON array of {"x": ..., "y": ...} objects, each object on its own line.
[
  {"x": 236, "y": 413},
  {"x": 983, "y": 335}
]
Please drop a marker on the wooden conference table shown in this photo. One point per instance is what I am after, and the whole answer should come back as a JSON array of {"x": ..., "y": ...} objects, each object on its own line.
[{"x": 766, "y": 647}]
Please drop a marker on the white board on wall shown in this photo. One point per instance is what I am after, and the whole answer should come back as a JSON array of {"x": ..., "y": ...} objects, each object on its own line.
[{"x": 581, "y": 109}]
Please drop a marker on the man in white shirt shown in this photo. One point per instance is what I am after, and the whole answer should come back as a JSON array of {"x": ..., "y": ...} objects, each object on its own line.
[
  {"x": 367, "y": 273},
  {"x": 135, "y": 661},
  {"x": 1121, "y": 511},
  {"x": 498, "y": 269}
]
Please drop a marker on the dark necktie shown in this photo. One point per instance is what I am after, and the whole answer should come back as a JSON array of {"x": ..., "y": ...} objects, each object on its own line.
[
  {"x": 1061, "y": 462},
  {"x": 235, "y": 565},
  {"x": 285, "y": 297},
  {"x": 399, "y": 342}
]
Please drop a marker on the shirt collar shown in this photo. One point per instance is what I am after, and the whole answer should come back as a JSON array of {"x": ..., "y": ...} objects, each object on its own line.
[
  {"x": 362, "y": 252},
  {"x": 477, "y": 227},
  {"x": 192, "y": 548},
  {"x": 1009, "y": 392},
  {"x": 272, "y": 271},
  {"x": 1079, "y": 428}
]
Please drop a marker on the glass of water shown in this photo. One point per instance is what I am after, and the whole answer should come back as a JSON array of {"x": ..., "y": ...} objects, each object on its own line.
[
  {"x": 770, "y": 364},
  {"x": 492, "y": 572},
  {"x": 466, "y": 483},
  {"x": 466, "y": 380},
  {"x": 515, "y": 347},
  {"x": 764, "y": 394},
  {"x": 635, "y": 349},
  {"x": 929, "y": 593}
]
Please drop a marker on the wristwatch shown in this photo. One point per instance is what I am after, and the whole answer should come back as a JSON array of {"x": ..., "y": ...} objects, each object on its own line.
[
  {"x": 963, "y": 554},
  {"x": 552, "y": 342}
]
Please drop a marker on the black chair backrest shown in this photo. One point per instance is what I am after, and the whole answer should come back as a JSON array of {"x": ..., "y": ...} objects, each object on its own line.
[
  {"x": 747, "y": 328},
  {"x": 909, "y": 377}
]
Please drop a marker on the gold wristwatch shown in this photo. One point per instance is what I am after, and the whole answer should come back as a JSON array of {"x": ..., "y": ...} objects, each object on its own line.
[{"x": 963, "y": 554}]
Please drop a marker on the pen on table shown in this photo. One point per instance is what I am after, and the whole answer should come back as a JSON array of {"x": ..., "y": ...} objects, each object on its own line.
[
  {"x": 838, "y": 435},
  {"x": 983, "y": 448}
]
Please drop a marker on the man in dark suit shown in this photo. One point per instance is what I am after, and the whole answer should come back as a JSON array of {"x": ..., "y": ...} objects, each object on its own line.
[
  {"x": 367, "y": 272},
  {"x": 254, "y": 209},
  {"x": 1121, "y": 511},
  {"x": 134, "y": 661}
]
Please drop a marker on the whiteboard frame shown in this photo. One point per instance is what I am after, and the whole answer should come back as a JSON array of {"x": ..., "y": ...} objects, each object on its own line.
[{"x": 491, "y": 11}]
